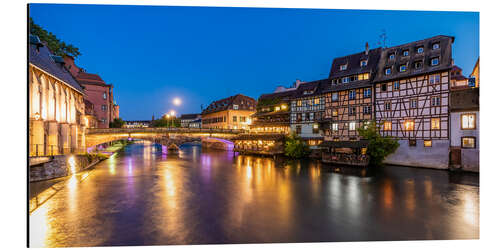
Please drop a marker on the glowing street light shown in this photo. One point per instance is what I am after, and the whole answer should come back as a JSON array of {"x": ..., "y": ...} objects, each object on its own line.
[
  {"x": 177, "y": 101},
  {"x": 172, "y": 113}
]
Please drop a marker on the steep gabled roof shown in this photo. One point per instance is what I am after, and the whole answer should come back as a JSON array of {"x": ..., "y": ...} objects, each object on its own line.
[
  {"x": 41, "y": 57},
  {"x": 88, "y": 78},
  {"x": 311, "y": 88},
  {"x": 353, "y": 63},
  {"x": 243, "y": 102}
]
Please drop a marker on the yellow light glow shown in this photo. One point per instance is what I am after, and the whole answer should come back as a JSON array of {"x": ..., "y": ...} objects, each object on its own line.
[
  {"x": 72, "y": 164},
  {"x": 283, "y": 106},
  {"x": 172, "y": 113}
]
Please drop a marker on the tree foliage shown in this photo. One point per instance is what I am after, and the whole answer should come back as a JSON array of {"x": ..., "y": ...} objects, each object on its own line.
[
  {"x": 166, "y": 122},
  {"x": 379, "y": 147},
  {"x": 57, "y": 46},
  {"x": 295, "y": 147},
  {"x": 117, "y": 123}
]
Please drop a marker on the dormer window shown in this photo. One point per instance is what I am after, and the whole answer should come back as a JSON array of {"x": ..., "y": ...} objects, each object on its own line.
[
  {"x": 420, "y": 49},
  {"x": 343, "y": 67},
  {"x": 418, "y": 65},
  {"x": 363, "y": 63},
  {"x": 406, "y": 52},
  {"x": 235, "y": 106},
  {"x": 345, "y": 79},
  {"x": 435, "y": 46},
  {"x": 402, "y": 68},
  {"x": 434, "y": 61},
  {"x": 392, "y": 56},
  {"x": 387, "y": 71}
]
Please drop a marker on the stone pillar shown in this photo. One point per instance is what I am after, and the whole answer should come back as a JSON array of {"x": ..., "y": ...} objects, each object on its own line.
[
  {"x": 53, "y": 144},
  {"x": 74, "y": 138},
  {"x": 66, "y": 144},
  {"x": 37, "y": 138}
]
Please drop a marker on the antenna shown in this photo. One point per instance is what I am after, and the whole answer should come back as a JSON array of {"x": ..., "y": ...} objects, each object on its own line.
[{"x": 383, "y": 39}]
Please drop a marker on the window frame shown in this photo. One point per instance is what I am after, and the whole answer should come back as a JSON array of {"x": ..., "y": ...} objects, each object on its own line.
[
  {"x": 336, "y": 94},
  {"x": 396, "y": 83},
  {"x": 468, "y": 137},
  {"x": 433, "y": 119},
  {"x": 416, "y": 103},
  {"x": 387, "y": 126},
  {"x": 418, "y": 49},
  {"x": 343, "y": 67},
  {"x": 427, "y": 146},
  {"x": 438, "y": 45},
  {"x": 433, "y": 104},
  {"x": 387, "y": 104},
  {"x": 401, "y": 68},
  {"x": 462, "y": 124},
  {"x": 335, "y": 126},
  {"x": 387, "y": 71},
  {"x": 354, "y": 125},
  {"x": 352, "y": 97},
  {"x": 365, "y": 61},
  {"x": 435, "y": 58},
  {"x": 407, "y": 52}
]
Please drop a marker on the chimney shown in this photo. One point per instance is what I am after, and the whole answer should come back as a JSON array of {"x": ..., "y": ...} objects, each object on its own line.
[
  {"x": 367, "y": 48},
  {"x": 297, "y": 83}
]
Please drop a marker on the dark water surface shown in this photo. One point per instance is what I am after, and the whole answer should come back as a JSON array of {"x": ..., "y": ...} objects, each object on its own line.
[{"x": 142, "y": 196}]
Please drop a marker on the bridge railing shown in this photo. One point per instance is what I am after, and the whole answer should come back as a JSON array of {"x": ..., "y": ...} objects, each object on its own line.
[{"x": 163, "y": 130}]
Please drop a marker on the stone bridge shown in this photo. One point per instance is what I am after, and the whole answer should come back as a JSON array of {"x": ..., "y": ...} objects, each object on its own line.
[{"x": 213, "y": 138}]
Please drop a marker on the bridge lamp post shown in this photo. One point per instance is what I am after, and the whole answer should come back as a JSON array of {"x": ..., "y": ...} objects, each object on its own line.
[{"x": 172, "y": 113}]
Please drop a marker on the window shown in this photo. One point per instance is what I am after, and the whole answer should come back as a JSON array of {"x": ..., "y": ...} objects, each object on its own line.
[
  {"x": 387, "y": 71},
  {"x": 352, "y": 94},
  {"x": 243, "y": 118},
  {"x": 418, "y": 64},
  {"x": 387, "y": 126},
  {"x": 427, "y": 143},
  {"x": 224, "y": 119},
  {"x": 409, "y": 125},
  {"x": 299, "y": 103},
  {"x": 387, "y": 105},
  {"x": 406, "y": 52},
  {"x": 298, "y": 129},
  {"x": 335, "y": 127},
  {"x": 352, "y": 126},
  {"x": 396, "y": 85},
  {"x": 316, "y": 101},
  {"x": 352, "y": 110},
  {"x": 435, "y": 46},
  {"x": 345, "y": 79},
  {"x": 392, "y": 56},
  {"x": 235, "y": 119},
  {"x": 435, "y": 123},
  {"x": 420, "y": 50},
  {"x": 311, "y": 116},
  {"x": 435, "y": 101},
  {"x": 335, "y": 96},
  {"x": 469, "y": 142},
  {"x": 384, "y": 87},
  {"x": 104, "y": 107},
  {"x": 434, "y": 79},
  {"x": 335, "y": 112},
  {"x": 413, "y": 103},
  {"x": 367, "y": 110},
  {"x": 402, "y": 68},
  {"x": 367, "y": 92},
  {"x": 435, "y": 61},
  {"x": 315, "y": 128},
  {"x": 363, "y": 63},
  {"x": 364, "y": 76},
  {"x": 343, "y": 67},
  {"x": 468, "y": 121},
  {"x": 412, "y": 143},
  {"x": 104, "y": 96},
  {"x": 235, "y": 106}
]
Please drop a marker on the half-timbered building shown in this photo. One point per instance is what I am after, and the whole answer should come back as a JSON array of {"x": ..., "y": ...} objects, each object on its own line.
[
  {"x": 411, "y": 100},
  {"x": 307, "y": 109}
]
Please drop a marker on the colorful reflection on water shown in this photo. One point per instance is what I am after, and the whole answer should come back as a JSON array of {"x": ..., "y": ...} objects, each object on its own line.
[{"x": 146, "y": 195}]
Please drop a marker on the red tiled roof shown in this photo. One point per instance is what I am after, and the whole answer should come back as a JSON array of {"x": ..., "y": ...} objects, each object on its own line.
[{"x": 88, "y": 78}]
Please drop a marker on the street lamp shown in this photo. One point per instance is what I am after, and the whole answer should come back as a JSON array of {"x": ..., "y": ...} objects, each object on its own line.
[
  {"x": 172, "y": 113},
  {"x": 37, "y": 116}
]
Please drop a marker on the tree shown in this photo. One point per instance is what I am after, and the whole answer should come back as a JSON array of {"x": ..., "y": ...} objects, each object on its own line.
[
  {"x": 166, "y": 122},
  {"x": 117, "y": 123},
  {"x": 55, "y": 45},
  {"x": 295, "y": 147},
  {"x": 379, "y": 147}
]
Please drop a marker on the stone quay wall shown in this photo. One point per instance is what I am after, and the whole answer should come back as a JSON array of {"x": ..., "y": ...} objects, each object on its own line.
[{"x": 59, "y": 166}]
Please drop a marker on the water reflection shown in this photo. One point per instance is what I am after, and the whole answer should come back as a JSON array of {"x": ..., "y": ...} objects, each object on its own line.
[{"x": 147, "y": 196}]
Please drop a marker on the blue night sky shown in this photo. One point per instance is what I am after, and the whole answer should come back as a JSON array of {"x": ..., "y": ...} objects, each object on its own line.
[{"x": 152, "y": 54}]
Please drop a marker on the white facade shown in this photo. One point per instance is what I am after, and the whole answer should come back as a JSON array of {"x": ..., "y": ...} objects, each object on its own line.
[{"x": 465, "y": 138}]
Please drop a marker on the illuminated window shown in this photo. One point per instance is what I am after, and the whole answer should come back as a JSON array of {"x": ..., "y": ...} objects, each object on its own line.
[
  {"x": 316, "y": 101},
  {"x": 352, "y": 94},
  {"x": 402, "y": 68},
  {"x": 335, "y": 96},
  {"x": 387, "y": 126},
  {"x": 335, "y": 127},
  {"x": 435, "y": 123},
  {"x": 413, "y": 103},
  {"x": 299, "y": 103},
  {"x": 468, "y": 121},
  {"x": 468, "y": 142},
  {"x": 283, "y": 106},
  {"x": 235, "y": 106},
  {"x": 364, "y": 76},
  {"x": 409, "y": 125},
  {"x": 434, "y": 79},
  {"x": 277, "y": 108},
  {"x": 335, "y": 112},
  {"x": 427, "y": 143},
  {"x": 412, "y": 143},
  {"x": 235, "y": 119},
  {"x": 343, "y": 67},
  {"x": 352, "y": 126},
  {"x": 315, "y": 128}
]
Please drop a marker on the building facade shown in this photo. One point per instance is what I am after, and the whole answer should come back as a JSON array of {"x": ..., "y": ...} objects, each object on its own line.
[
  {"x": 229, "y": 113},
  {"x": 56, "y": 105},
  {"x": 457, "y": 79},
  {"x": 412, "y": 100},
  {"x": 307, "y": 109},
  {"x": 464, "y": 129},
  {"x": 273, "y": 112},
  {"x": 187, "y": 119},
  {"x": 474, "y": 76},
  {"x": 137, "y": 124}
]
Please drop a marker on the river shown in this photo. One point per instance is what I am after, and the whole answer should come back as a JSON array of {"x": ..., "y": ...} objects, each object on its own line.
[{"x": 145, "y": 196}]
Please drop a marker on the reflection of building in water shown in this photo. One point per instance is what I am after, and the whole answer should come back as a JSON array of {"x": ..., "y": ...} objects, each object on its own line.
[{"x": 264, "y": 144}]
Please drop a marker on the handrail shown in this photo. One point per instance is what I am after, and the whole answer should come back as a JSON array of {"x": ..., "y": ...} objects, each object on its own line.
[{"x": 161, "y": 130}]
